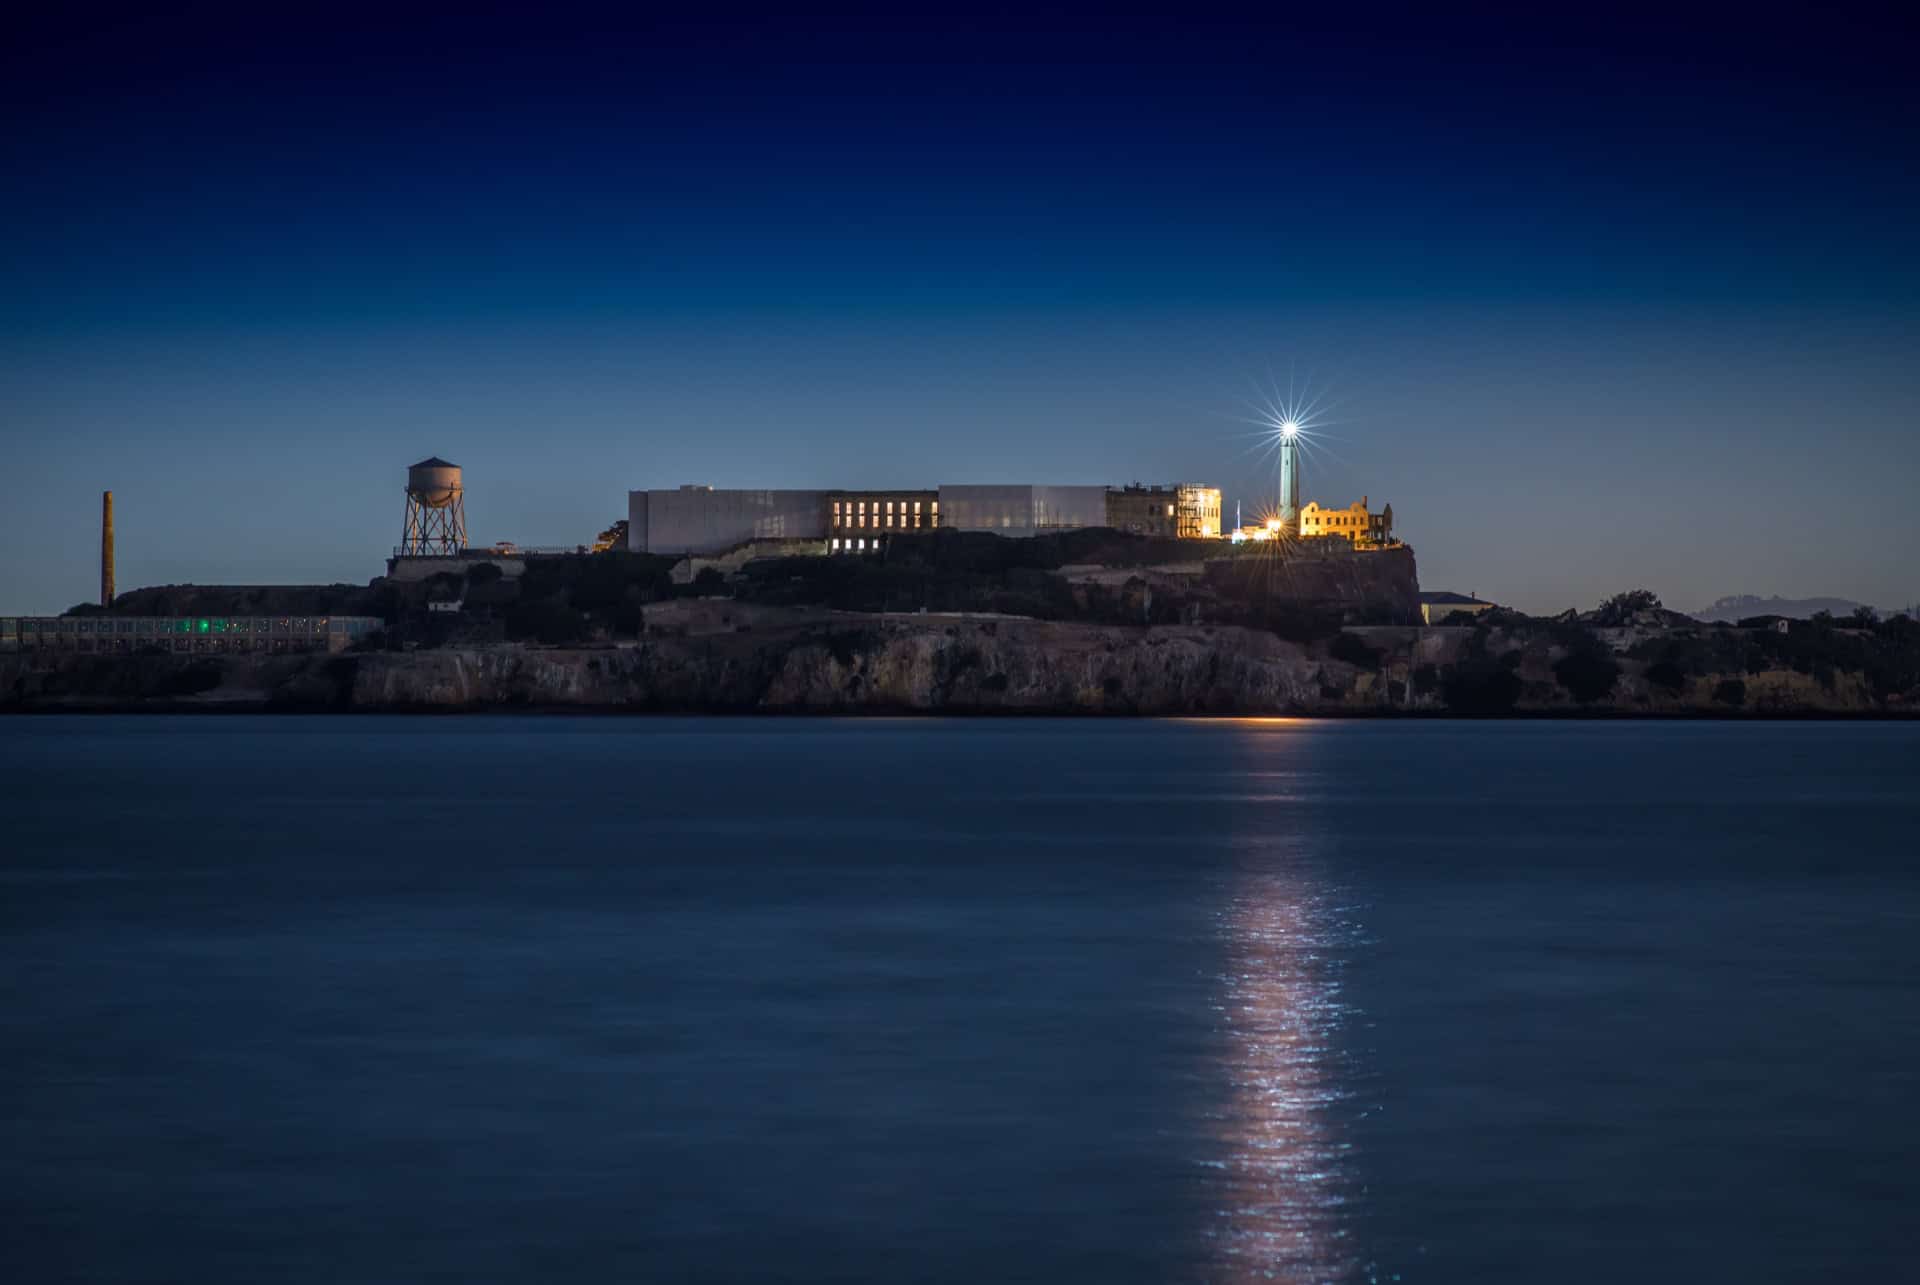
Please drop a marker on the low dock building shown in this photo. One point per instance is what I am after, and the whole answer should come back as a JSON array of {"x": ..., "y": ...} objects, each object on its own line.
[{"x": 126, "y": 635}]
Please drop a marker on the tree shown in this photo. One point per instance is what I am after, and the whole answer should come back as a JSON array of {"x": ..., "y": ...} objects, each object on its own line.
[
  {"x": 1664, "y": 673},
  {"x": 1354, "y": 650},
  {"x": 1588, "y": 674},
  {"x": 1484, "y": 685},
  {"x": 613, "y": 539},
  {"x": 1864, "y": 618},
  {"x": 547, "y": 621},
  {"x": 1622, "y": 607}
]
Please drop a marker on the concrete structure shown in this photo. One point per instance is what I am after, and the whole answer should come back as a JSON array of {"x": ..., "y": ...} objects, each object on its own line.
[
  {"x": 124, "y": 635},
  {"x": 702, "y": 520},
  {"x": 1289, "y": 481},
  {"x": 699, "y": 519},
  {"x": 1198, "y": 512},
  {"x": 1143, "y": 510},
  {"x": 436, "y": 516},
  {"x": 1354, "y": 523},
  {"x": 106, "y": 548},
  {"x": 1436, "y": 607},
  {"x": 1017, "y": 511},
  {"x": 1183, "y": 511},
  {"x": 512, "y": 565}
]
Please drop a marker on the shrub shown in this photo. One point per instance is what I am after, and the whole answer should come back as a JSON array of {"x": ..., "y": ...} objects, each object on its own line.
[
  {"x": 1482, "y": 686},
  {"x": 1730, "y": 691},
  {"x": 546, "y": 621},
  {"x": 1588, "y": 674},
  {"x": 1666, "y": 674},
  {"x": 191, "y": 680},
  {"x": 1354, "y": 650},
  {"x": 1620, "y": 609}
]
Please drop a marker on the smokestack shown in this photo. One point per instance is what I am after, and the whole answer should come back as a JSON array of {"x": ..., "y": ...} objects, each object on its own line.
[{"x": 106, "y": 548}]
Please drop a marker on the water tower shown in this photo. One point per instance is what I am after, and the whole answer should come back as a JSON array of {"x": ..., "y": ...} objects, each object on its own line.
[{"x": 436, "y": 511}]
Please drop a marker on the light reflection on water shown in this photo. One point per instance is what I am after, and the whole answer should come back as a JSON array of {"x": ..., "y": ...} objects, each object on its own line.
[{"x": 1285, "y": 1169}]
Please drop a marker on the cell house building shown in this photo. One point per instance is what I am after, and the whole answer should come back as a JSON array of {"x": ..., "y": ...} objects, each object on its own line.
[{"x": 705, "y": 520}]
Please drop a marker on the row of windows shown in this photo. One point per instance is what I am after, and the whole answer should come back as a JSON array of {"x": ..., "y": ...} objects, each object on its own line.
[
  {"x": 150, "y": 627},
  {"x": 856, "y": 546},
  {"x": 860, "y": 506},
  {"x": 842, "y": 520}
]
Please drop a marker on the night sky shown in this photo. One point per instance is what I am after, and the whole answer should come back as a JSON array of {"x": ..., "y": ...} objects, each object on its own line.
[{"x": 1629, "y": 302}]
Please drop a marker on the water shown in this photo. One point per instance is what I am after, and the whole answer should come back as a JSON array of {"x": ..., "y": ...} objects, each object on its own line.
[{"x": 544, "y": 999}]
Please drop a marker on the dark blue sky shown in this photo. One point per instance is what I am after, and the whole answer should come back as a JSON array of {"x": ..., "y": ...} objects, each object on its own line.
[{"x": 1605, "y": 300}]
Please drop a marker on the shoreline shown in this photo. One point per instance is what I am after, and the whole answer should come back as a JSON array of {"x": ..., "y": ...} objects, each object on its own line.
[
  {"x": 720, "y": 659},
  {"x": 235, "y": 708}
]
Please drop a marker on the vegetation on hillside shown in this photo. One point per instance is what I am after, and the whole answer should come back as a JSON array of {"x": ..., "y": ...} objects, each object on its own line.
[
  {"x": 1667, "y": 654},
  {"x": 952, "y": 571}
]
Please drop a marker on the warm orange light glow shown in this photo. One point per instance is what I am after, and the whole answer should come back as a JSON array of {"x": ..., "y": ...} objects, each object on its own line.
[{"x": 1283, "y": 1177}]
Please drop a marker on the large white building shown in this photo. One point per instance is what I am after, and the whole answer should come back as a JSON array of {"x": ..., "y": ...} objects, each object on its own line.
[
  {"x": 701, "y": 519},
  {"x": 1022, "y": 510}
]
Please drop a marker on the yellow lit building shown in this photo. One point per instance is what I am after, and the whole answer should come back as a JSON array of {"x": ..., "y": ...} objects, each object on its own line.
[
  {"x": 1184, "y": 511},
  {"x": 866, "y": 512},
  {"x": 1197, "y": 512},
  {"x": 1355, "y": 523}
]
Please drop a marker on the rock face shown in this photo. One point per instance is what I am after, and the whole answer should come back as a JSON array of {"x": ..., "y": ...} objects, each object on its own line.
[
  {"x": 842, "y": 664},
  {"x": 723, "y": 656},
  {"x": 1326, "y": 573}
]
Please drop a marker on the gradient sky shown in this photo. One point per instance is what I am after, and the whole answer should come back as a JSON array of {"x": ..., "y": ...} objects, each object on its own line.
[{"x": 1598, "y": 301}]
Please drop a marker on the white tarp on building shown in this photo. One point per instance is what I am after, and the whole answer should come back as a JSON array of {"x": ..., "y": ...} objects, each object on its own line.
[
  {"x": 1022, "y": 510},
  {"x": 699, "y": 519}
]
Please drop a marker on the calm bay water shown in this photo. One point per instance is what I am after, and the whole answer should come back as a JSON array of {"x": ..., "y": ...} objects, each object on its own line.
[{"x": 478, "y": 999}]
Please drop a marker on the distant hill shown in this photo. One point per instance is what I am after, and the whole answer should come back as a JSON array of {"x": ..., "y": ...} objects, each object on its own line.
[{"x": 1741, "y": 605}]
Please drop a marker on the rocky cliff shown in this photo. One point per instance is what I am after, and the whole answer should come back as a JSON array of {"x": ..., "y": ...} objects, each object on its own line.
[
  {"x": 723, "y": 656},
  {"x": 741, "y": 659}
]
